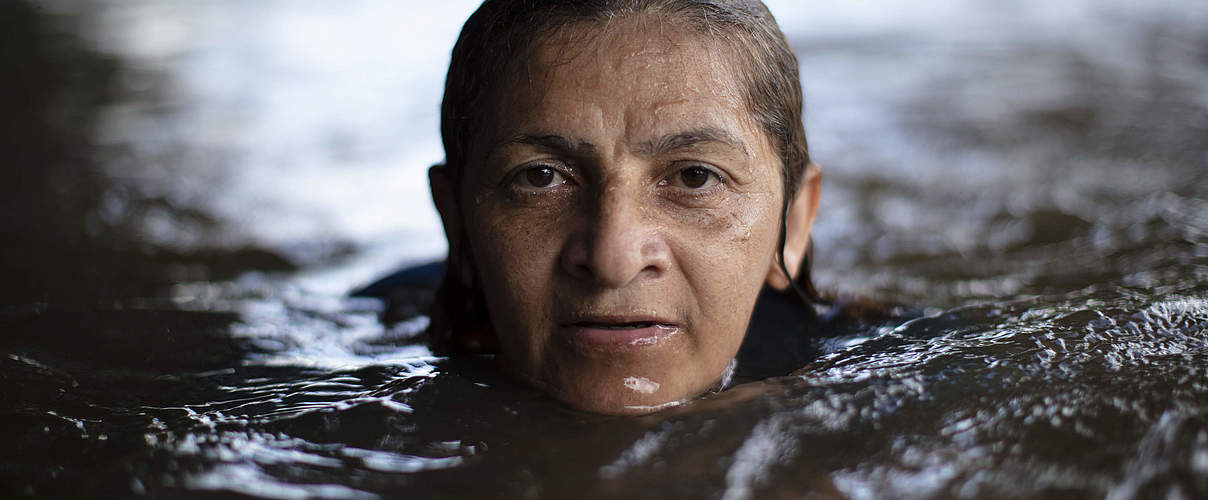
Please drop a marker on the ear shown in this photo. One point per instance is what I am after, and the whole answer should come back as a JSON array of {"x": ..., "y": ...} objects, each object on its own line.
[
  {"x": 798, "y": 222},
  {"x": 444, "y": 196}
]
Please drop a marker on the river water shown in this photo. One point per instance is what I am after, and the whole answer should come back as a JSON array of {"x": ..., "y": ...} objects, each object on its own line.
[{"x": 191, "y": 189}]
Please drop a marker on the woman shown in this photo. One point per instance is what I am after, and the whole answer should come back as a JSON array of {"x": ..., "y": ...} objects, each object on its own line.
[{"x": 622, "y": 178}]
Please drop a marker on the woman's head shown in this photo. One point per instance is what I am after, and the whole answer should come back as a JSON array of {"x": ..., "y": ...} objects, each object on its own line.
[
  {"x": 494, "y": 43},
  {"x": 616, "y": 183}
]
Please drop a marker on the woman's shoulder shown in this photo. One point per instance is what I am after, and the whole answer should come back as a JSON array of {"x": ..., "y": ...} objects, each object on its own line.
[
  {"x": 786, "y": 333},
  {"x": 407, "y": 293}
]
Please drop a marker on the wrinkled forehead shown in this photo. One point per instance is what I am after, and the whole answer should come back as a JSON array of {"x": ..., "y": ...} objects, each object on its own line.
[
  {"x": 623, "y": 43},
  {"x": 642, "y": 55}
]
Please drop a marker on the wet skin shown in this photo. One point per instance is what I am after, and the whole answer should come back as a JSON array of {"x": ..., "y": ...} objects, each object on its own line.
[{"x": 623, "y": 213}]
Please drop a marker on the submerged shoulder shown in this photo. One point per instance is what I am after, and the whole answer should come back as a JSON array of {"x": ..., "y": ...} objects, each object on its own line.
[{"x": 786, "y": 334}]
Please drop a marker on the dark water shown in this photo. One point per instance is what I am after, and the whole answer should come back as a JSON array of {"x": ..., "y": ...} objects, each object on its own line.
[{"x": 1033, "y": 176}]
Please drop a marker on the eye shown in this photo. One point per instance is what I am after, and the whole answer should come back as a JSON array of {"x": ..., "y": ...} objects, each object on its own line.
[
  {"x": 538, "y": 177},
  {"x": 694, "y": 177}
]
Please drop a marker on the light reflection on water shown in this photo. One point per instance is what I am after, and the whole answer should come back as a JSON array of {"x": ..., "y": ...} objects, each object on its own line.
[{"x": 1032, "y": 174}]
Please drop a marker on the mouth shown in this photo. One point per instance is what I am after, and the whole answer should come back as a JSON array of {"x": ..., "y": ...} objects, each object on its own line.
[
  {"x": 617, "y": 335},
  {"x": 622, "y": 325}
]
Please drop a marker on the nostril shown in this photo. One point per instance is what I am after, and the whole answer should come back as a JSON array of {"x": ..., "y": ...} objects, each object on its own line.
[
  {"x": 650, "y": 271},
  {"x": 575, "y": 260},
  {"x": 584, "y": 271},
  {"x": 616, "y": 245}
]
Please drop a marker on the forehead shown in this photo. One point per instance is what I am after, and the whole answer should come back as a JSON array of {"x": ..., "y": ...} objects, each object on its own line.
[
  {"x": 648, "y": 48},
  {"x": 642, "y": 70}
]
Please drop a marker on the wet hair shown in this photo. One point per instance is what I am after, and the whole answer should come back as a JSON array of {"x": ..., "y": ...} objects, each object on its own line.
[{"x": 496, "y": 41}]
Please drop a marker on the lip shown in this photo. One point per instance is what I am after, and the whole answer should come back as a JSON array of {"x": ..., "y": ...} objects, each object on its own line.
[{"x": 616, "y": 334}]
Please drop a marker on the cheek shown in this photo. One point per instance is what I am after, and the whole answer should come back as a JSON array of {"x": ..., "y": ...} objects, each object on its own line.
[
  {"x": 514, "y": 251},
  {"x": 725, "y": 255},
  {"x": 515, "y": 256},
  {"x": 736, "y": 234}
]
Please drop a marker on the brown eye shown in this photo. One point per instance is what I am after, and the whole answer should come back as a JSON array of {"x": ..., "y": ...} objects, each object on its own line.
[
  {"x": 695, "y": 177},
  {"x": 539, "y": 177}
]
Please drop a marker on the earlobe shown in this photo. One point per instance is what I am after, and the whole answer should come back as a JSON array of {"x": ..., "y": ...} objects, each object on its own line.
[{"x": 799, "y": 221}]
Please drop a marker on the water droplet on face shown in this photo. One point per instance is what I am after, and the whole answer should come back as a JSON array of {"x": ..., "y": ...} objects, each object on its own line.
[
  {"x": 742, "y": 229},
  {"x": 641, "y": 384}
]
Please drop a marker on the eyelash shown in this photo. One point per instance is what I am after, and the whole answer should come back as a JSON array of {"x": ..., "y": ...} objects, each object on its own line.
[
  {"x": 520, "y": 184},
  {"x": 519, "y": 177},
  {"x": 715, "y": 178}
]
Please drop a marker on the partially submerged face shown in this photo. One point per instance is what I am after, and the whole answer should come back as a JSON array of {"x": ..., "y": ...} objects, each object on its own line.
[{"x": 623, "y": 212}]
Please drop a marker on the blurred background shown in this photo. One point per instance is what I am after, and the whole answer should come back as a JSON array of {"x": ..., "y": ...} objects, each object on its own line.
[
  {"x": 158, "y": 142},
  {"x": 155, "y": 142}
]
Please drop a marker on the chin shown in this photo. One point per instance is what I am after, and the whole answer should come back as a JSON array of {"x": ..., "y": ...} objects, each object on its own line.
[
  {"x": 607, "y": 372},
  {"x": 622, "y": 404},
  {"x": 619, "y": 394}
]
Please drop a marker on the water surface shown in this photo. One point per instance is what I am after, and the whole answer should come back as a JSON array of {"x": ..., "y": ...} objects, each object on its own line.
[{"x": 191, "y": 188}]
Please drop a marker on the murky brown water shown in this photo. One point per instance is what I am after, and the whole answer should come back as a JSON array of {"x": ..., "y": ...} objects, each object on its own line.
[{"x": 189, "y": 190}]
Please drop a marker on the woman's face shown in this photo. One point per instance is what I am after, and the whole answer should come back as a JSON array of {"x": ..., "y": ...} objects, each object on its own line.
[{"x": 623, "y": 213}]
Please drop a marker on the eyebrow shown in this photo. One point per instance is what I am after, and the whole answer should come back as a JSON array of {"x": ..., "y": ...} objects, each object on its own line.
[
  {"x": 549, "y": 141},
  {"x": 665, "y": 144},
  {"x": 691, "y": 138}
]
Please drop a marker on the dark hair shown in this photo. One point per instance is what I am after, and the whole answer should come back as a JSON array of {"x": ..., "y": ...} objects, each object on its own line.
[{"x": 501, "y": 33}]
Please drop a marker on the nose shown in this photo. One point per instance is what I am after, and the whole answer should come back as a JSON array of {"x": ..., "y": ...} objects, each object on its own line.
[{"x": 618, "y": 242}]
